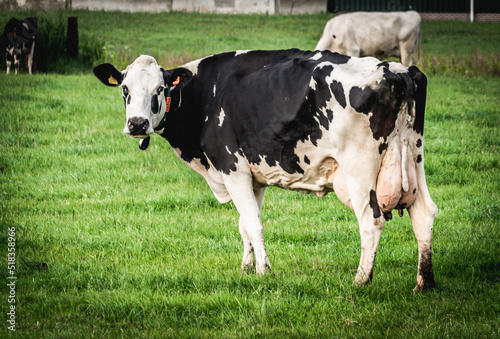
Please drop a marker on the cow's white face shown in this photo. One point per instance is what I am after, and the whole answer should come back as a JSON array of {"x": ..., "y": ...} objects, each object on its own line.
[
  {"x": 144, "y": 85},
  {"x": 143, "y": 92}
]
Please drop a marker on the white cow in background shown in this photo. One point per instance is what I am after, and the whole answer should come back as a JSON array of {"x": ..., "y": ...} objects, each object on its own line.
[{"x": 378, "y": 34}]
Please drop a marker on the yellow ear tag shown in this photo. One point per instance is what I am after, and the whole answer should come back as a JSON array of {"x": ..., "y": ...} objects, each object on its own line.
[{"x": 112, "y": 80}]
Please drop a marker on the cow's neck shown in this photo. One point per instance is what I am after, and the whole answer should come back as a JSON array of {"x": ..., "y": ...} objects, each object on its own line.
[{"x": 183, "y": 125}]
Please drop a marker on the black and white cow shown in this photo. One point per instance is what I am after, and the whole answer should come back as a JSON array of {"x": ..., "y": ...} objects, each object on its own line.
[
  {"x": 19, "y": 40},
  {"x": 313, "y": 122}
]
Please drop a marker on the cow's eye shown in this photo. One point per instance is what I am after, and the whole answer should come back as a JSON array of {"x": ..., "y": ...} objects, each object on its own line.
[
  {"x": 125, "y": 91},
  {"x": 160, "y": 90}
]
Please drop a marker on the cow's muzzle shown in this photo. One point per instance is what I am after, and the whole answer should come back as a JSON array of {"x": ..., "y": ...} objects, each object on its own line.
[{"x": 137, "y": 126}]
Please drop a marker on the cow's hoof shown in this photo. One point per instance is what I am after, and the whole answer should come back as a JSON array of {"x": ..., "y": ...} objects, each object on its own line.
[
  {"x": 361, "y": 283},
  {"x": 264, "y": 269},
  {"x": 248, "y": 268},
  {"x": 425, "y": 286},
  {"x": 362, "y": 278}
]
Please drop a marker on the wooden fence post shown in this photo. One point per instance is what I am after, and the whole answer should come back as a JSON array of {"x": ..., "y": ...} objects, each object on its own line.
[{"x": 72, "y": 37}]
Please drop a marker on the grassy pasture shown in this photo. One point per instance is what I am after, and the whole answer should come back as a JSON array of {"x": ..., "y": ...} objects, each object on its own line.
[
  {"x": 448, "y": 48},
  {"x": 116, "y": 242}
]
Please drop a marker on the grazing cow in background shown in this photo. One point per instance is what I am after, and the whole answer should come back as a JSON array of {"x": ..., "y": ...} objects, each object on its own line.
[
  {"x": 312, "y": 122},
  {"x": 378, "y": 34},
  {"x": 18, "y": 40}
]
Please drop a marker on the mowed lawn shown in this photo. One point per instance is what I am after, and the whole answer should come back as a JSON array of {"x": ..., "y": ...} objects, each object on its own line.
[{"x": 112, "y": 241}]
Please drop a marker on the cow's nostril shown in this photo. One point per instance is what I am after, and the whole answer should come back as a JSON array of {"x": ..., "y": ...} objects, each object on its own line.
[{"x": 142, "y": 123}]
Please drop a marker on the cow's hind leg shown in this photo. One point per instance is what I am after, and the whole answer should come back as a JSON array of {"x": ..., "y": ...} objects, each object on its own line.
[
  {"x": 371, "y": 224},
  {"x": 248, "y": 202},
  {"x": 422, "y": 213}
]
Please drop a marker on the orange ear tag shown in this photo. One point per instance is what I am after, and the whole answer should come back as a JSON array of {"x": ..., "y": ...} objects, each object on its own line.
[
  {"x": 168, "y": 100},
  {"x": 176, "y": 82}
]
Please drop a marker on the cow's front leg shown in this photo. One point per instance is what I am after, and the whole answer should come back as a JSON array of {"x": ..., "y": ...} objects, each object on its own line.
[
  {"x": 30, "y": 58},
  {"x": 422, "y": 213},
  {"x": 16, "y": 64},
  {"x": 248, "y": 262},
  {"x": 248, "y": 202},
  {"x": 8, "y": 59},
  {"x": 407, "y": 49}
]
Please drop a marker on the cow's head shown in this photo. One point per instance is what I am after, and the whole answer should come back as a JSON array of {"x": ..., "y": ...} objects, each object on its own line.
[{"x": 145, "y": 87}]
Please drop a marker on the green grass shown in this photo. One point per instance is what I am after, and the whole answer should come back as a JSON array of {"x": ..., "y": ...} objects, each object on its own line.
[{"x": 135, "y": 245}]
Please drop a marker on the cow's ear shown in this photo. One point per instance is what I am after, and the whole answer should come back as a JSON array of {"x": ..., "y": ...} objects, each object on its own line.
[
  {"x": 108, "y": 74},
  {"x": 178, "y": 77}
]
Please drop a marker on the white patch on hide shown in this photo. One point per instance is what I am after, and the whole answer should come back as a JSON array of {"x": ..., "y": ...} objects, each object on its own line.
[
  {"x": 193, "y": 65},
  {"x": 316, "y": 56},
  {"x": 240, "y": 52},
  {"x": 222, "y": 115}
]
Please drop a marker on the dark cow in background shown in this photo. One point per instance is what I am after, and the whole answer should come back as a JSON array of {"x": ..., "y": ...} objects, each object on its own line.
[
  {"x": 19, "y": 40},
  {"x": 313, "y": 122}
]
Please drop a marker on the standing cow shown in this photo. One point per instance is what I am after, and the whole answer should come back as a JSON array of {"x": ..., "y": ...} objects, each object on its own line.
[
  {"x": 378, "y": 34},
  {"x": 312, "y": 122},
  {"x": 19, "y": 40}
]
